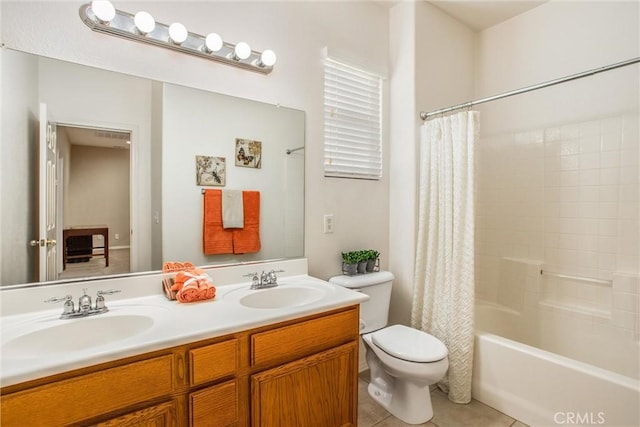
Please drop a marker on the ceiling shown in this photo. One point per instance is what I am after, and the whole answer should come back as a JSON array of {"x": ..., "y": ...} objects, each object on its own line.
[
  {"x": 477, "y": 14},
  {"x": 104, "y": 138},
  {"x": 480, "y": 14}
]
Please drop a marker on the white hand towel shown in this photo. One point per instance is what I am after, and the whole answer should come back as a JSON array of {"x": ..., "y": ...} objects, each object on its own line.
[{"x": 232, "y": 209}]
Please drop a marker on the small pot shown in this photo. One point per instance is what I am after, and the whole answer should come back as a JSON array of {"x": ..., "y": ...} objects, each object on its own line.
[
  {"x": 362, "y": 267},
  {"x": 371, "y": 264},
  {"x": 349, "y": 269}
]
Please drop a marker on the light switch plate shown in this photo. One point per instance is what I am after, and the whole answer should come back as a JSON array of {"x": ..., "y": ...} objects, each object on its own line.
[{"x": 328, "y": 224}]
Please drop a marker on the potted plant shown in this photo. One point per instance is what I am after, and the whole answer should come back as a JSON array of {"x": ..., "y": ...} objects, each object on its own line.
[
  {"x": 372, "y": 259},
  {"x": 350, "y": 263},
  {"x": 362, "y": 261}
]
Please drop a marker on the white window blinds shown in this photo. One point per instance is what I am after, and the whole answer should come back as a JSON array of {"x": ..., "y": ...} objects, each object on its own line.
[{"x": 352, "y": 122}]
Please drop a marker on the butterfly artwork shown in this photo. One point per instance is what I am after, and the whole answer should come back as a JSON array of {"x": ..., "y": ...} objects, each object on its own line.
[{"x": 248, "y": 153}]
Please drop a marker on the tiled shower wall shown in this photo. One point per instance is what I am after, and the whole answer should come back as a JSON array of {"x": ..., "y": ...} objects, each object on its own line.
[{"x": 565, "y": 197}]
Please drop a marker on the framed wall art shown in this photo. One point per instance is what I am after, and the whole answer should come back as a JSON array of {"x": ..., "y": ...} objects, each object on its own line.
[
  {"x": 211, "y": 171},
  {"x": 248, "y": 153}
]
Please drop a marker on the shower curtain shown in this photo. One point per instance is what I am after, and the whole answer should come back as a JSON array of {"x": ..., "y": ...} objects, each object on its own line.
[{"x": 443, "y": 295}]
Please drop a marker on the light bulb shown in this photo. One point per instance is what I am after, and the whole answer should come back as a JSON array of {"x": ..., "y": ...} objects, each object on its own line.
[
  {"x": 104, "y": 10},
  {"x": 178, "y": 33},
  {"x": 242, "y": 51},
  {"x": 144, "y": 22},
  {"x": 213, "y": 42},
  {"x": 268, "y": 58}
]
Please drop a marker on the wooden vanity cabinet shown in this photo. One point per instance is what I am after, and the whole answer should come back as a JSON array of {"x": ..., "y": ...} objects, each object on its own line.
[
  {"x": 219, "y": 404},
  {"x": 296, "y": 373},
  {"x": 89, "y": 393},
  {"x": 320, "y": 389}
]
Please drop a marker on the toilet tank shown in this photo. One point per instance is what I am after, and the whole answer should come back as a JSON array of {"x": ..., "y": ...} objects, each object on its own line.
[{"x": 374, "y": 314}]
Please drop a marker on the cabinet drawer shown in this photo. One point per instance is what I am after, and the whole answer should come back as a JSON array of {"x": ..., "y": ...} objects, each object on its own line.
[
  {"x": 162, "y": 415},
  {"x": 215, "y": 406},
  {"x": 76, "y": 399},
  {"x": 213, "y": 361},
  {"x": 302, "y": 339}
]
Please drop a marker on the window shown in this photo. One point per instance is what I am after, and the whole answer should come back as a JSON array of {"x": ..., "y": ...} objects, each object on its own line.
[{"x": 352, "y": 122}]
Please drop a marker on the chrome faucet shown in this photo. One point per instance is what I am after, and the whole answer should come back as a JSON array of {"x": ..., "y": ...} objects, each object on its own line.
[
  {"x": 84, "y": 304},
  {"x": 265, "y": 280}
]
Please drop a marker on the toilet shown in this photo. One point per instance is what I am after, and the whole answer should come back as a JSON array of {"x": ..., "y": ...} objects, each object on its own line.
[{"x": 403, "y": 362}]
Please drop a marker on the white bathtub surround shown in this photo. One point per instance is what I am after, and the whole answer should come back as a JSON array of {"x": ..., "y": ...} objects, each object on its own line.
[
  {"x": 567, "y": 314},
  {"x": 443, "y": 295},
  {"x": 626, "y": 305},
  {"x": 549, "y": 360},
  {"x": 563, "y": 194},
  {"x": 541, "y": 388}
]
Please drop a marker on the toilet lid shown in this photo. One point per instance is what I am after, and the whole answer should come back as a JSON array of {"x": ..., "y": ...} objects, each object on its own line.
[{"x": 409, "y": 344}]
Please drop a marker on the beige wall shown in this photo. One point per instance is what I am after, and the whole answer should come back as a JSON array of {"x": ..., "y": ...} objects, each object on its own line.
[
  {"x": 98, "y": 191},
  {"x": 432, "y": 57},
  {"x": 88, "y": 97},
  {"x": 17, "y": 258}
]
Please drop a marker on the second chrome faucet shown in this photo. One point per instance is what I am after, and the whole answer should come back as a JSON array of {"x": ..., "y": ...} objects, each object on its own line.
[{"x": 264, "y": 280}]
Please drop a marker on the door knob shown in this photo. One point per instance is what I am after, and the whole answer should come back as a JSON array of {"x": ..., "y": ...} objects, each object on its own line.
[{"x": 42, "y": 242}]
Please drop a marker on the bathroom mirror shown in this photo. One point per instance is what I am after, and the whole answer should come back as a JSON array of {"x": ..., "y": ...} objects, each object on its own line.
[{"x": 165, "y": 143}]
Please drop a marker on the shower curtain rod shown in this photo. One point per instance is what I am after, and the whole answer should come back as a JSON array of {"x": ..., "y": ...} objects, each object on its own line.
[
  {"x": 425, "y": 115},
  {"x": 291, "y": 150}
]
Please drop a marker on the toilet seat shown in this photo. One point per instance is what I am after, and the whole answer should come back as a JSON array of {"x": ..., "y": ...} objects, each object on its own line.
[{"x": 409, "y": 344}]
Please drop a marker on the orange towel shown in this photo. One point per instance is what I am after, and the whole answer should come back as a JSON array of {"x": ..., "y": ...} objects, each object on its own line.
[
  {"x": 247, "y": 239},
  {"x": 193, "y": 285},
  {"x": 215, "y": 239}
]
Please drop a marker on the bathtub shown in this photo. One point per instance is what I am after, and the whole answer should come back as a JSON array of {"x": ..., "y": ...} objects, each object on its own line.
[{"x": 541, "y": 388}]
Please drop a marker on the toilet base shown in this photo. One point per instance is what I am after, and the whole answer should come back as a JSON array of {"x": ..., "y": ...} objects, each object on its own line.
[{"x": 407, "y": 401}]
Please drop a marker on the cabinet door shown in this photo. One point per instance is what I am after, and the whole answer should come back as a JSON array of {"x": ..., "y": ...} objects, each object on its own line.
[
  {"x": 215, "y": 406},
  {"x": 317, "y": 391},
  {"x": 162, "y": 415}
]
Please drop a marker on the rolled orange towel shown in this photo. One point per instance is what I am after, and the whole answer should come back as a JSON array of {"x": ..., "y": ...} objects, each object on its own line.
[
  {"x": 193, "y": 285},
  {"x": 197, "y": 290}
]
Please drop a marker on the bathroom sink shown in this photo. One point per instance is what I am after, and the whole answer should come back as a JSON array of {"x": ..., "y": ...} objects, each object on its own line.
[
  {"x": 278, "y": 297},
  {"x": 64, "y": 336}
]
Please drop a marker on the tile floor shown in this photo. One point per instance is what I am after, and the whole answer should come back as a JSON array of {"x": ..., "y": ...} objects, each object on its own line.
[{"x": 446, "y": 413}]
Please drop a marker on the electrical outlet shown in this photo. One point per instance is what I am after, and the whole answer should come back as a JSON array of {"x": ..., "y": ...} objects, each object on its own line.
[
  {"x": 328, "y": 223},
  {"x": 117, "y": 236}
]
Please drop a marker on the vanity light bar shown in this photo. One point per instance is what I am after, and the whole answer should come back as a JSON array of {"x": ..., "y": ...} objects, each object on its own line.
[{"x": 102, "y": 17}]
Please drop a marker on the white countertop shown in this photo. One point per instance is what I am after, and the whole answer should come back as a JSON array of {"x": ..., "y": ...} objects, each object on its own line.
[{"x": 173, "y": 324}]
